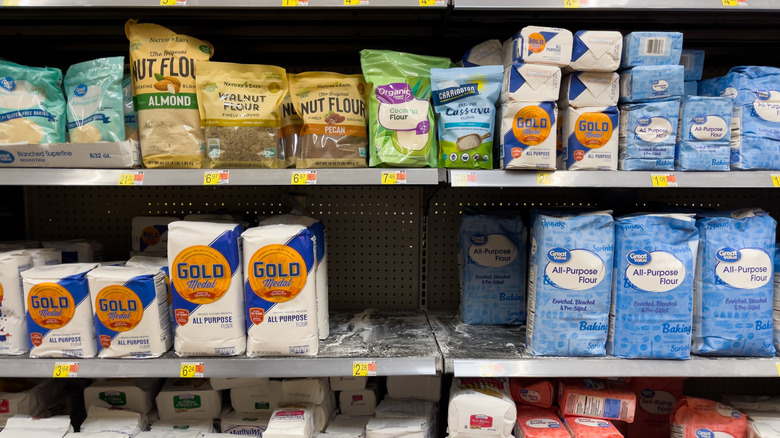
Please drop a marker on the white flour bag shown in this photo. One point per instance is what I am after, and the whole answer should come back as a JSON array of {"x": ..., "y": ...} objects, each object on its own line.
[
  {"x": 281, "y": 296},
  {"x": 13, "y": 325},
  {"x": 206, "y": 273}
]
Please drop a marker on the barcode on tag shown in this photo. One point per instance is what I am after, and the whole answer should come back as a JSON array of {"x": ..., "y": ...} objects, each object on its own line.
[
  {"x": 686, "y": 61},
  {"x": 655, "y": 46}
]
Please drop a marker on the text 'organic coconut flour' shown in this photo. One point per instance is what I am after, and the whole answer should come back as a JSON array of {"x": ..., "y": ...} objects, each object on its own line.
[{"x": 162, "y": 65}]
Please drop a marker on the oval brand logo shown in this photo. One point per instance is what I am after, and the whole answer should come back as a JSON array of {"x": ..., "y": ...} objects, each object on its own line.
[
  {"x": 763, "y": 94},
  {"x": 728, "y": 255},
  {"x": 50, "y": 305},
  {"x": 698, "y": 120},
  {"x": 201, "y": 274},
  {"x": 536, "y": 43},
  {"x": 532, "y": 125},
  {"x": 478, "y": 239},
  {"x": 80, "y": 90},
  {"x": 643, "y": 121},
  {"x": 558, "y": 255},
  {"x": 150, "y": 236},
  {"x": 118, "y": 308},
  {"x": 593, "y": 130},
  {"x": 704, "y": 433},
  {"x": 591, "y": 422},
  {"x": 639, "y": 257},
  {"x": 6, "y": 157},
  {"x": 660, "y": 85},
  {"x": 278, "y": 273},
  {"x": 647, "y": 393},
  {"x": 8, "y": 83}
]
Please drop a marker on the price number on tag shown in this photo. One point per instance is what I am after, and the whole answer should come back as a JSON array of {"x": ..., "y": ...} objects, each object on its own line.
[
  {"x": 775, "y": 180},
  {"x": 65, "y": 369},
  {"x": 398, "y": 177},
  {"x": 664, "y": 180},
  {"x": 573, "y": 4},
  {"x": 131, "y": 179},
  {"x": 429, "y": 2},
  {"x": 363, "y": 369},
  {"x": 173, "y": 2},
  {"x": 545, "y": 178},
  {"x": 355, "y": 2},
  {"x": 491, "y": 370},
  {"x": 730, "y": 2},
  {"x": 303, "y": 178},
  {"x": 191, "y": 370},
  {"x": 214, "y": 178},
  {"x": 465, "y": 179},
  {"x": 295, "y": 2}
]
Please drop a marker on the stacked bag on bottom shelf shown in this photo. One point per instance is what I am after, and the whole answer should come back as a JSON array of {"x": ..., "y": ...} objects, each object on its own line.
[
  {"x": 652, "y": 292},
  {"x": 480, "y": 407},
  {"x": 114, "y": 420},
  {"x": 569, "y": 283},
  {"x": 28, "y": 397},
  {"x": 655, "y": 399},
  {"x": 539, "y": 423},
  {"x": 705, "y": 134},
  {"x": 59, "y": 311},
  {"x": 281, "y": 294},
  {"x": 403, "y": 418},
  {"x": 24, "y": 426},
  {"x": 188, "y": 399},
  {"x": 697, "y": 418},
  {"x": 206, "y": 278},
  {"x": 597, "y": 398},
  {"x": 734, "y": 288},
  {"x": 291, "y": 422},
  {"x": 135, "y": 395},
  {"x": 315, "y": 393},
  {"x": 13, "y": 323}
]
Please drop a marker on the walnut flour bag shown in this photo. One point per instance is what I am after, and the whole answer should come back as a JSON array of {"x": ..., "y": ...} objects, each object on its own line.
[
  {"x": 162, "y": 66},
  {"x": 290, "y": 134},
  {"x": 239, "y": 106},
  {"x": 333, "y": 109}
]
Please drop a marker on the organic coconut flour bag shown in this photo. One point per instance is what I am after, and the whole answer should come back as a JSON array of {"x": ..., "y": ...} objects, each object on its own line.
[
  {"x": 162, "y": 66},
  {"x": 401, "y": 123}
]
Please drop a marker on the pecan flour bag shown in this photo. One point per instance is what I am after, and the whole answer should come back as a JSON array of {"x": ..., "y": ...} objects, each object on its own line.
[{"x": 162, "y": 65}]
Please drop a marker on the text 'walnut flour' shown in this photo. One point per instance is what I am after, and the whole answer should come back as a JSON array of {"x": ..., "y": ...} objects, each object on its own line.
[
  {"x": 239, "y": 106},
  {"x": 333, "y": 109},
  {"x": 162, "y": 65}
]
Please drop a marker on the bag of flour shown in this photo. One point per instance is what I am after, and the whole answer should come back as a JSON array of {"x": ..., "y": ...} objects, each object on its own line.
[
  {"x": 292, "y": 422},
  {"x": 699, "y": 418},
  {"x": 13, "y": 324},
  {"x": 207, "y": 298},
  {"x": 281, "y": 294},
  {"x": 94, "y": 92},
  {"x": 131, "y": 311},
  {"x": 115, "y": 420},
  {"x": 43, "y": 256},
  {"x": 59, "y": 311},
  {"x": 481, "y": 406}
]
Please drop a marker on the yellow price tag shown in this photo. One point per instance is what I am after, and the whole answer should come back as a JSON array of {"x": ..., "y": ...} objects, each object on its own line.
[
  {"x": 295, "y": 2},
  {"x": 355, "y": 2},
  {"x": 173, "y": 2},
  {"x": 65, "y": 369},
  {"x": 545, "y": 178},
  {"x": 427, "y": 2},
  {"x": 775, "y": 180},
  {"x": 131, "y": 179},
  {"x": 396, "y": 177},
  {"x": 730, "y": 2},
  {"x": 491, "y": 369},
  {"x": 777, "y": 365},
  {"x": 363, "y": 369},
  {"x": 215, "y": 178},
  {"x": 303, "y": 178},
  {"x": 191, "y": 370},
  {"x": 574, "y": 4},
  {"x": 663, "y": 180},
  {"x": 11, "y": 2}
]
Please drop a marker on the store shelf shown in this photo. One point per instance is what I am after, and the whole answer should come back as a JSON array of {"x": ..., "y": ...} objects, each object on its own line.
[
  {"x": 746, "y": 5},
  {"x": 240, "y": 177},
  {"x": 560, "y": 178},
  {"x": 497, "y": 351},
  {"x": 399, "y": 343},
  {"x": 230, "y": 3}
]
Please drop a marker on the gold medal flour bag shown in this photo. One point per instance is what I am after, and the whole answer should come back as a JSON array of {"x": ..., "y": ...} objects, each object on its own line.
[{"x": 162, "y": 66}]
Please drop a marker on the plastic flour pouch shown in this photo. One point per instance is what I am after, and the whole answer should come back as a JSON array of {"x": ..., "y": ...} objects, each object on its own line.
[
  {"x": 290, "y": 133},
  {"x": 280, "y": 288},
  {"x": 402, "y": 129},
  {"x": 206, "y": 279},
  {"x": 94, "y": 92},
  {"x": 465, "y": 99},
  {"x": 13, "y": 324},
  {"x": 734, "y": 287},
  {"x": 59, "y": 312},
  {"x": 480, "y": 407},
  {"x": 539, "y": 423},
  {"x": 569, "y": 284},
  {"x": 131, "y": 311},
  {"x": 162, "y": 65},
  {"x": 131, "y": 119},
  {"x": 652, "y": 291},
  {"x": 492, "y": 258},
  {"x": 32, "y": 106},
  {"x": 700, "y": 418}
]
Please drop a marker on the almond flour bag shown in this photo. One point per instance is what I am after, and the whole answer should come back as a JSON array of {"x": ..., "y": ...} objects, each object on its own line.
[
  {"x": 162, "y": 65},
  {"x": 333, "y": 109},
  {"x": 403, "y": 131},
  {"x": 32, "y": 106},
  {"x": 290, "y": 134},
  {"x": 94, "y": 92},
  {"x": 238, "y": 106}
]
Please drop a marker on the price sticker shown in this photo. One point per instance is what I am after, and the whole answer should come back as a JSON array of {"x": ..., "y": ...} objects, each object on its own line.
[
  {"x": 303, "y": 178},
  {"x": 431, "y": 2},
  {"x": 215, "y": 178},
  {"x": 491, "y": 370},
  {"x": 173, "y": 2},
  {"x": 131, "y": 179},
  {"x": 545, "y": 178},
  {"x": 775, "y": 180},
  {"x": 295, "y": 2},
  {"x": 465, "y": 179},
  {"x": 191, "y": 370},
  {"x": 355, "y": 2},
  {"x": 398, "y": 177},
  {"x": 65, "y": 369},
  {"x": 11, "y": 2},
  {"x": 777, "y": 365},
  {"x": 729, "y": 2},
  {"x": 663, "y": 180},
  {"x": 572, "y": 4},
  {"x": 363, "y": 369}
]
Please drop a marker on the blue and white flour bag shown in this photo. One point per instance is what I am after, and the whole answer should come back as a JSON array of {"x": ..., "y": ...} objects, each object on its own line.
[
  {"x": 206, "y": 288},
  {"x": 493, "y": 268},
  {"x": 776, "y": 311},
  {"x": 280, "y": 266},
  {"x": 734, "y": 287},
  {"x": 569, "y": 283},
  {"x": 652, "y": 292},
  {"x": 13, "y": 322}
]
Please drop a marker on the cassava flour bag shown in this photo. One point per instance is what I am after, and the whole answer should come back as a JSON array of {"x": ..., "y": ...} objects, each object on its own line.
[
  {"x": 206, "y": 273},
  {"x": 59, "y": 312},
  {"x": 94, "y": 92},
  {"x": 13, "y": 325},
  {"x": 131, "y": 311},
  {"x": 162, "y": 66},
  {"x": 238, "y": 106},
  {"x": 32, "y": 105},
  {"x": 281, "y": 294}
]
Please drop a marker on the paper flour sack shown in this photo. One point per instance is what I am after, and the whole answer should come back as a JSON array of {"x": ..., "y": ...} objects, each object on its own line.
[
  {"x": 13, "y": 323},
  {"x": 101, "y": 419},
  {"x": 528, "y": 135},
  {"x": 135, "y": 395},
  {"x": 59, "y": 311},
  {"x": 295, "y": 422},
  {"x": 236, "y": 423},
  {"x": 697, "y": 418},
  {"x": 188, "y": 399},
  {"x": 207, "y": 297},
  {"x": 150, "y": 234},
  {"x": 596, "y": 50},
  {"x": 582, "y": 427},
  {"x": 532, "y": 392},
  {"x": 262, "y": 397},
  {"x": 281, "y": 293},
  {"x": 597, "y": 398},
  {"x": 318, "y": 229},
  {"x": 43, "y": 256},
  {"x": 481, "y": 406},
  {"x": 539, "y": 423},
  {"x": 655, "y": 399}
]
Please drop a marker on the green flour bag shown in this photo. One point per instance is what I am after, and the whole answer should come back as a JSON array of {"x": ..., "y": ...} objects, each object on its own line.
[{"x": 401, "y": 124}]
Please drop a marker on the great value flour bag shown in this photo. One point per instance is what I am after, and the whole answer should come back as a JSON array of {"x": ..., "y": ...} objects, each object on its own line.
[
  {"x": 59, "y": 311},
  {"x": 532, "y": 392},
  {"x": 480, "y": 406},
  {"x": 539, "y": 423},
  {"x": 207, "y": 298},
  {"x": 597, "y": 398},
  {"x": 652, "y": 292},
  {"x": 583, "y": 427},
  {"x": 280, "y": 291},
  {"x": 699, "y": 418},
  {"x": 734, "y": 287},
  {"x": 655, "y": 399},
  {"x": 13, "y": 324},
  {"x": 32, "y": 106},
  {"x": 131, "y": 311},
  {"x": 569, "y": 283},
  {"x": 94, "y": 92},
  {"x": 492, "y": 258}
]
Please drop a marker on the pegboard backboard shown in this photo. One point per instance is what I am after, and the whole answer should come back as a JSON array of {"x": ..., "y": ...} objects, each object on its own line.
[{"x": 373, "y": 233}]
